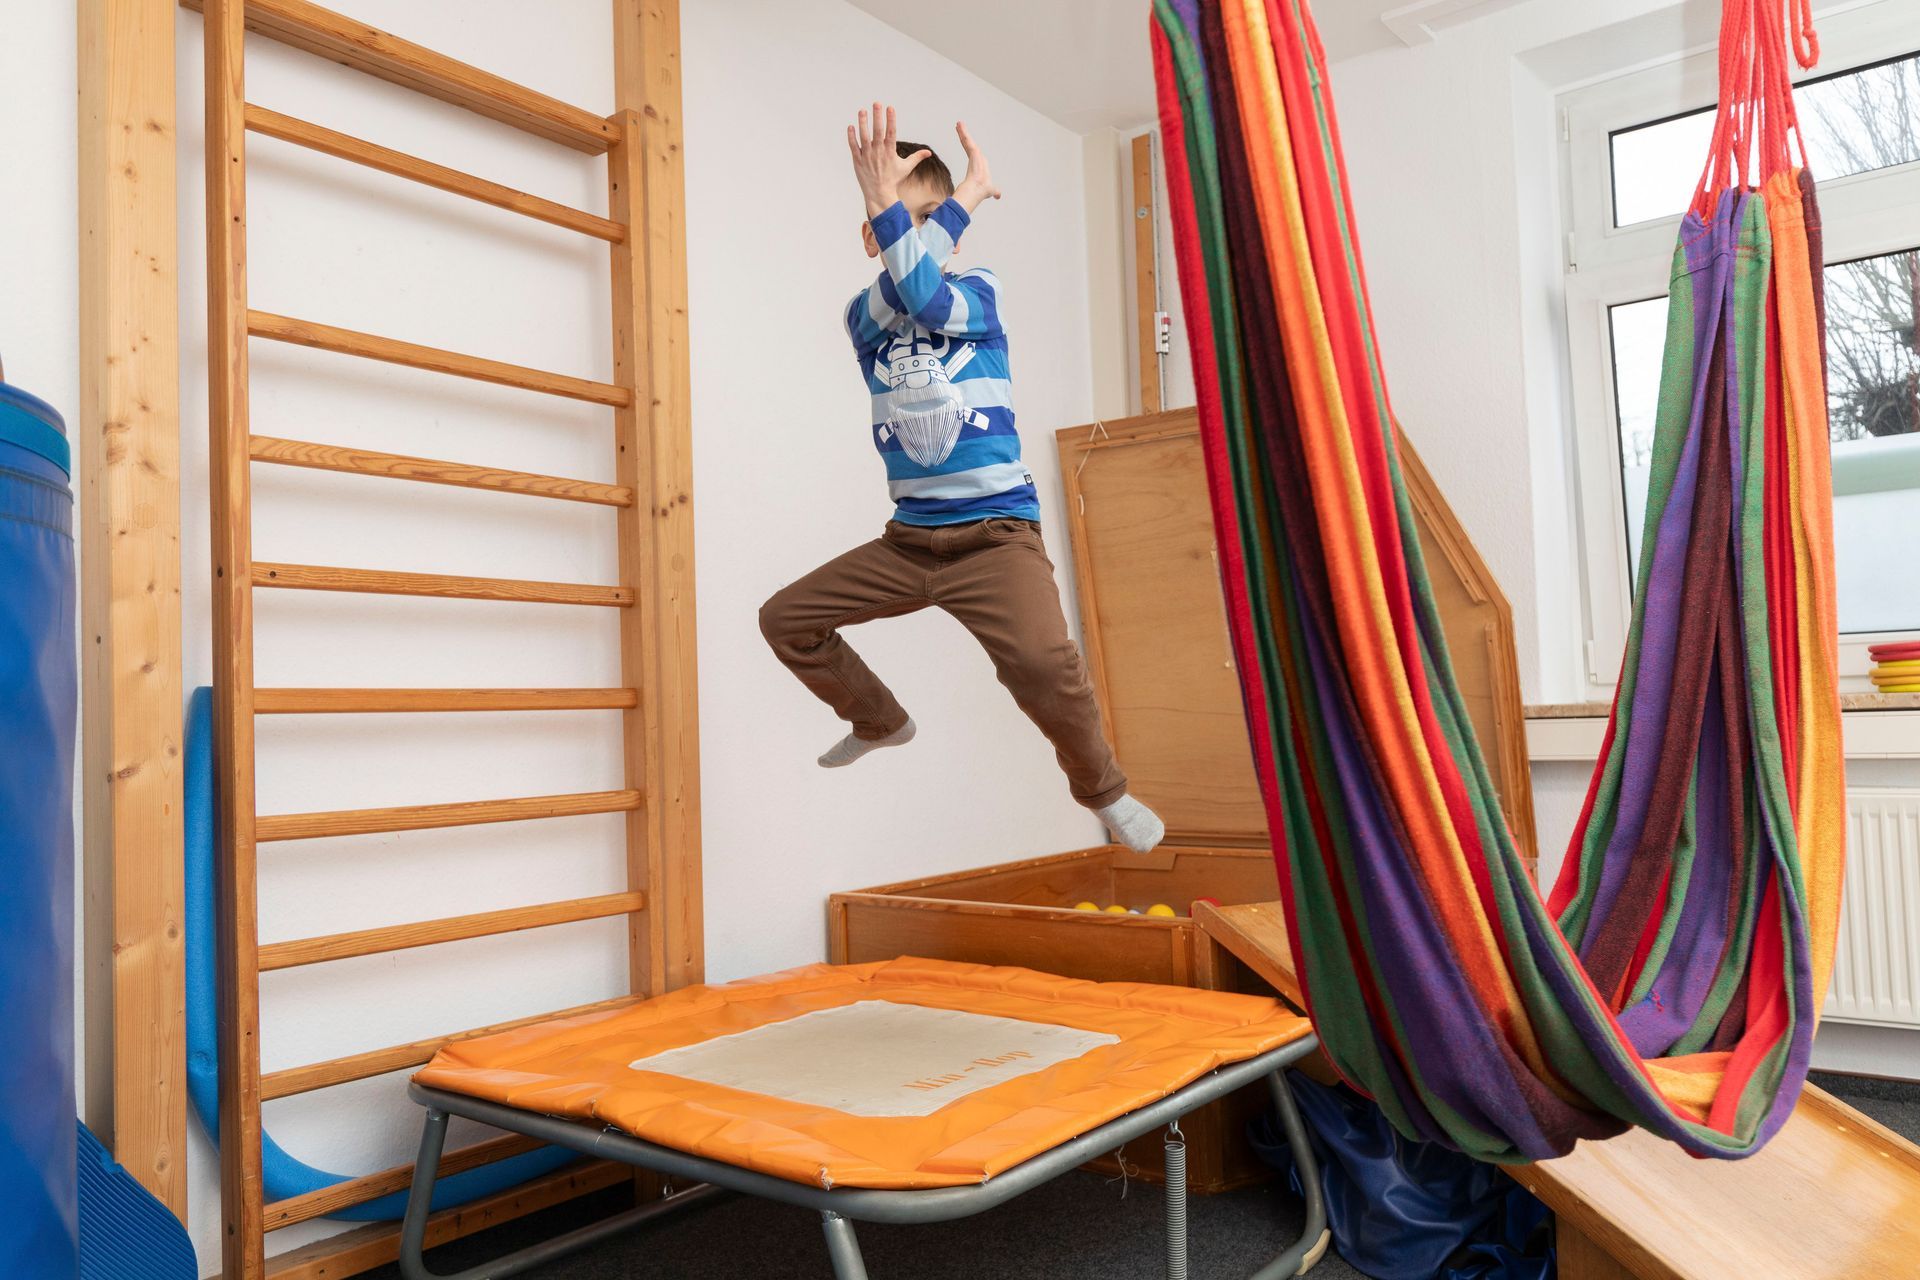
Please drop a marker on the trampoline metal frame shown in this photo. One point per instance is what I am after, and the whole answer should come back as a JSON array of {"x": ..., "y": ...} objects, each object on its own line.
[{"x": 840, "y": 1207}]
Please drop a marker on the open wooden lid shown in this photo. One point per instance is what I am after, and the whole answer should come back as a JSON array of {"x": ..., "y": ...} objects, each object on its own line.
[
  {"x": 1154, "y": 625},
  {"x": 1154, "y": 628}
]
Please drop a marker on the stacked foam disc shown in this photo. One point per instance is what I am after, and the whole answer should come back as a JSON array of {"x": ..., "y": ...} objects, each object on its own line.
[{"x": 1896, "y": 667}]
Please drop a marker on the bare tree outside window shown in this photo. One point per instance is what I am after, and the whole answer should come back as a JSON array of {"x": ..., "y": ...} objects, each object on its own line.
[
  {"x": 1873, "y": 353},
  {"x": 1869, "y": 119}
]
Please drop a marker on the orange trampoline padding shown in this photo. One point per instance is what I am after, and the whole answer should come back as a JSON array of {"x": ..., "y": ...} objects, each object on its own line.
[{"x": 898, "y": 1074}]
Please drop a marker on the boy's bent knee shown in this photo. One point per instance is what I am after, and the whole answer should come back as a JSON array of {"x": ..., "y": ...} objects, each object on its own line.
[{"x": 777, "y": 617}]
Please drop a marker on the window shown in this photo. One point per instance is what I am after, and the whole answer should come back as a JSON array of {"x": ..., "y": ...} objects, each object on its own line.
[
  {"x": 1633, "y": 151},
  {"x": 1855, "y": 121}
]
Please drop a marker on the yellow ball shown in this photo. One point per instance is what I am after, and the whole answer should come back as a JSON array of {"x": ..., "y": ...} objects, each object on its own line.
[
  {"x": 1086, "y": 906},
  {"x": 1116, "y": 910},
  {"x": 1160, "y": 909}
]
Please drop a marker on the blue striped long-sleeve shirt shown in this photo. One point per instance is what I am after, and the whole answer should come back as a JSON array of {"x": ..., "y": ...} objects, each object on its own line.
[{"x": 916, "y": 311}]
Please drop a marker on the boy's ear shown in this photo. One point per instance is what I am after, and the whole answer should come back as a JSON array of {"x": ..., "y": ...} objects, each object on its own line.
[{"x": 866, "y": 238}]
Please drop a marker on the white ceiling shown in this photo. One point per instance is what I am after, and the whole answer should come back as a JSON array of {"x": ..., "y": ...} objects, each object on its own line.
[{"x": 1085, "y": 63}]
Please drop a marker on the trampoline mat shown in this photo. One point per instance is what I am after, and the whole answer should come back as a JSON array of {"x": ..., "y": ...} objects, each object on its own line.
[{"x": 897, "y": 1074}]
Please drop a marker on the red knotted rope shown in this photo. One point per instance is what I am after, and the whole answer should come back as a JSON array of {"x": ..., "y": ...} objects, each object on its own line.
[{"x": 1756, "y": 131}]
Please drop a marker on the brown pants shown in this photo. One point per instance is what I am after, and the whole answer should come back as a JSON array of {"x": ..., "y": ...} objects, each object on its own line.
[{"x": 995, "y": 578}]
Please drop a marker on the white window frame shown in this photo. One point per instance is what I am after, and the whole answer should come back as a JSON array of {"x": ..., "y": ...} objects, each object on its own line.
[{"x": 1863, "y": 215}]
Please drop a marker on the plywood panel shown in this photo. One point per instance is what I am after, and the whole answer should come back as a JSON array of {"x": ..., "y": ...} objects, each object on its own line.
[
  {"x": 1833, "y": 1195},
  {"x": 1107, "y": 950},
  {"x": 1155, "y": 627},
  {"x": 1255, "y": 933},
  {"x": 1041, "y": 884},
  {"x": 1225, "y": 875}
]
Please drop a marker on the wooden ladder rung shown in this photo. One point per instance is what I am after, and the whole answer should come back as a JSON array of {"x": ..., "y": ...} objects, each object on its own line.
[
  {"x": 360, "y": 1249},
  {"x": 385, "y": 582},
  {"x": 426, "y": 933},
  {"x": 329, "y": 701},
  {"x": 344, "y": 1195},
  {"x": 427, "y": 817},
  {"x": 400, "y": 466},
  {"x": 340, "y": 39},
  {"x": 342, "y": 146},
  {"x": 377, "y": 1062},
  {"x": 351, "y": 342}
]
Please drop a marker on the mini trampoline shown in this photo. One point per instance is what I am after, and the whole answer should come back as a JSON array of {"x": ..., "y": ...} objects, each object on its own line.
[{"x": 904, "y": 1091}]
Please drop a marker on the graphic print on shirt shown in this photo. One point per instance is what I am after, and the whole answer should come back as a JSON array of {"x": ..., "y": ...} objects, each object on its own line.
[{"x": 923, "y": 409}]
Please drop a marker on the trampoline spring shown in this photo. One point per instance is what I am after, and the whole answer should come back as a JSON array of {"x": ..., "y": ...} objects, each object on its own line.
[{"x": 1176, "y": 1149}]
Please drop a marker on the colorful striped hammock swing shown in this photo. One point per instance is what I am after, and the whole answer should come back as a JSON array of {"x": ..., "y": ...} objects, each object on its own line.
[{"x": 1672, "y": 980}]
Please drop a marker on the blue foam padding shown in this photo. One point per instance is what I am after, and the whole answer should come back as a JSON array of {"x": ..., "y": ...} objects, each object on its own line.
[
  {"x": 283, "y": 1174},
  {"x": 126, "y": 1234}
]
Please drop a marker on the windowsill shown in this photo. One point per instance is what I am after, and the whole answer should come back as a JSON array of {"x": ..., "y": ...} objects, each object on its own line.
[
  {"x": 1848, "y": 702},
  {"x": 1877, "y": 726}
]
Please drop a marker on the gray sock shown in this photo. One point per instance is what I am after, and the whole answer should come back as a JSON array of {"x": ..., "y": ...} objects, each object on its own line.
[
  {"x": 850, "y": 748},
  {"x": 1138, "y": 827}
]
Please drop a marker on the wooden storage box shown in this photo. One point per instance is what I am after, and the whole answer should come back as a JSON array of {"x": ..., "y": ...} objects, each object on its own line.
[
  {"x": 1022, "y": 913},
  {"x": 1155, "y": 636}
]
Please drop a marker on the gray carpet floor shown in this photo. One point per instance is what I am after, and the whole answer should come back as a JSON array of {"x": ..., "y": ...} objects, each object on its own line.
[{"x": 1081, "y": 1225}]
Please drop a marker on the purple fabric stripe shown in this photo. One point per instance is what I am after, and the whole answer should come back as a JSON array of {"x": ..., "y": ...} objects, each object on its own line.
[
  {"x": 1700, "y": 934},
  {"x": 1431, "y": 997},
  {"x": 1710, "y": 254}
]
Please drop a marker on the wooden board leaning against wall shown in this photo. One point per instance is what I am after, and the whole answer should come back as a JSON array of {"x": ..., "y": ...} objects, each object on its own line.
[{"x": 1154, "y": 623}]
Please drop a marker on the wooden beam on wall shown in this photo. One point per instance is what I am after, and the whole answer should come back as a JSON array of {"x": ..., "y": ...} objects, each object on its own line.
[
  {"x": 647, "y": 190},
  {"x": 127, "y": 444},
  {"x": 1146, "y": 282}
]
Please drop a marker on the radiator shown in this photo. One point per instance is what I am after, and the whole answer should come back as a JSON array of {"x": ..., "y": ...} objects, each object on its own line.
[{"x": 1876, "y": 968}]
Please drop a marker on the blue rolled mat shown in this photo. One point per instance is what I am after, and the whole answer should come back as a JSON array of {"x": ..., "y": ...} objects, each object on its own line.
[{"x": 39, "y": 701}]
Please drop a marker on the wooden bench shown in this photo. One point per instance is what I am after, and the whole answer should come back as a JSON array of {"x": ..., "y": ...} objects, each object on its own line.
[{"x": 1834, "y": 1195}]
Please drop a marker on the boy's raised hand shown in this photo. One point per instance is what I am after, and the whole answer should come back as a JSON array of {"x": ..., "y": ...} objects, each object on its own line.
[
  {"x": 978, "y": 185},
  {"x": 877, "y": 163}
]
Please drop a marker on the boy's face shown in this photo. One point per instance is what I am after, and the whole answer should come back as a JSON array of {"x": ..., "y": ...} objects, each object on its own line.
[{"x": 921, "y": 199}]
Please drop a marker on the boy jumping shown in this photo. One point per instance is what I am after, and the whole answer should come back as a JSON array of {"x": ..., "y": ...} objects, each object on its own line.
[{"x": 965, "y": 533}]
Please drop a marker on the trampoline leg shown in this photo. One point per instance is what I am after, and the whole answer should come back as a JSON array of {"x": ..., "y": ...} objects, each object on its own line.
[
  {"x": 426, "y": 1171},
  {"x": 1314, "y": 1235},
  {"x": 843, "y": 1247}
]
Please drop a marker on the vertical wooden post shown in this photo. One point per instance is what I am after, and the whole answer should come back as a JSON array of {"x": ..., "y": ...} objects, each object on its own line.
[
  {"x": 646, "y": 939},
  {"x": 128, "y": 442},
  {"x": 647, "y": 192},
  {"x": 243, "y": 1245},
  {"x": 1146, "y": 282}
]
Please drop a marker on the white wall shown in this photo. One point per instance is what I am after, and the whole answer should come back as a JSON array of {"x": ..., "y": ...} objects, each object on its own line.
[
  {"x": 785, "y": 477},
  {"x": 1445, "y": 209}
]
